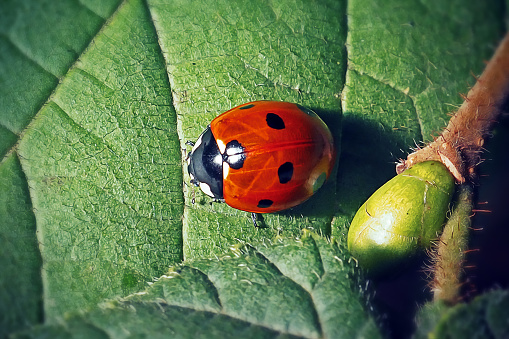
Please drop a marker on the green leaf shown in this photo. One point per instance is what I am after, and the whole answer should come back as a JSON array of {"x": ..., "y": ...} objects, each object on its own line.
[
  {"x": 103, "y": 162},
  {"x": 220, "y": 54},
  {"x": 407, "y": 64},
  {"x": 31, "y": 63},
  {"x": 484, "y": 317},
  {"x": 289, "y": 288},
  {"x": 97, "y": 100},
  {"x": 20, "y": 284}
]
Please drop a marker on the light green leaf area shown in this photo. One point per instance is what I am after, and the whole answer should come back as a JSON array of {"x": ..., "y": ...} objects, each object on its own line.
[
  {"x": 223, "y": 53},
  {"x": 103, "y": 163},
  {"x": 484, "y": 317},
  {"x": 39, "y": 40},
  {"x": 97, "y": 101},
  {"x": 286, "y": 289}
]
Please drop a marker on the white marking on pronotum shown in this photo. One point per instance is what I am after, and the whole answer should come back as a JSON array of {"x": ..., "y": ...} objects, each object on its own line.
[
  {"x": 226, "y": 170},
  {"x": 218, "y": 159},
  {"x": 235, "y": 154},
  {"x": 234, "y": 159},
  {"x": 234, "y": 150},
  {"x": 197, "y": 144},
  {"x": 221, "y": 145},
  {"x": 206, "y": 189}
]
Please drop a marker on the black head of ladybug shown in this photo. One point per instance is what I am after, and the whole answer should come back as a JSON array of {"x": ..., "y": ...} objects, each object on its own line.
[{"x": 205, "y": 165}]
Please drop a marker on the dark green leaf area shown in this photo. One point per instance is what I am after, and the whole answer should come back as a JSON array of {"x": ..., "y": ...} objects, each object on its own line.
[
  {"x": 39, "y": 41},
  {"x": 25, "y": 86},
  {"x": 425, "y": 49},
  {"x": 307, "y": 287},
  {"x": 252, "y": 292},
  {"x": 58, "y": 48},
  {"x": 486, "y": 316},
  {"x": 153, "y": 320},
  {"x": 7, "y": 139},
  {"x": 407, "y": 63},
  {"x": 20, "y": 281},
  {"x": 378, "y": 124}
]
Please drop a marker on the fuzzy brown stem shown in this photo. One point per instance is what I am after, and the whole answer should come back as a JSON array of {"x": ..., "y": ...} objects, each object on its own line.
[
  {"x": 449, "y": 255},
  {"x": 460, "y": 144}
]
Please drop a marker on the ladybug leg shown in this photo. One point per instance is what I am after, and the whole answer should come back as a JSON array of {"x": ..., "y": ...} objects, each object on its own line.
[
  {"x": 189, "y": 143},
  {"x": 254, "y": 218},
  {"x": 216, "y": 200}
]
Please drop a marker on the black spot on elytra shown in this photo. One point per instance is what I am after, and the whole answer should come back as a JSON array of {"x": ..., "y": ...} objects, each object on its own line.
[
  {"x": 285, "y": 172},
  {"x": 274, "y": 121},
  {"x": 247, "y": 106},
  {"x": 264, "y": 203}
]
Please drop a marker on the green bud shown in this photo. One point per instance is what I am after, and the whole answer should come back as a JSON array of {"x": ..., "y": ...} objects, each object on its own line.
[{"x": 402, "y": 217}]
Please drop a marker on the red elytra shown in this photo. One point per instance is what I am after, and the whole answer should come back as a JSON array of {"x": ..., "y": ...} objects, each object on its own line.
[{"x": 272, "y": 156}]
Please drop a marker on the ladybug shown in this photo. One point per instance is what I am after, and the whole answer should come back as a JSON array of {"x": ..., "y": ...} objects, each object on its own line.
[{"x": 263, "y": 156}]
